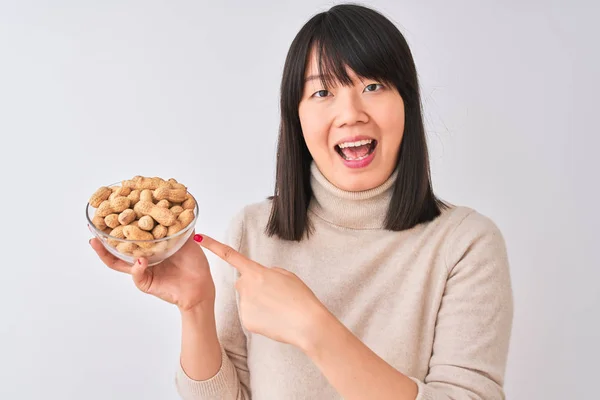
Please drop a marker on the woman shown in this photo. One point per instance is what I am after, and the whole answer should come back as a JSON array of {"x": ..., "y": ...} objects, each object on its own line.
[{"x": 353, "y": 281}]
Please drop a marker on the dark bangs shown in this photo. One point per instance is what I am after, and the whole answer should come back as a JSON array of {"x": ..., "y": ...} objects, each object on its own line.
[
  {"x": 363, "y": 40},
  {"x": 347, "y": 37}
]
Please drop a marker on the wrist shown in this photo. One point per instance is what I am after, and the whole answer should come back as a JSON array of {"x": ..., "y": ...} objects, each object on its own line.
[
  {"x": 198, "y": 310},
  {"x": 200, "y": 348},
  {"x": 199, "y": 323},
  {"x": 321, "y": 323},
  {"x": 199, "y": 315}
]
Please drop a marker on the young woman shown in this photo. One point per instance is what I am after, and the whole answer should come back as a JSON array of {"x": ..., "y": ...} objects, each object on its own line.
[{"x": 353, "y": 281}]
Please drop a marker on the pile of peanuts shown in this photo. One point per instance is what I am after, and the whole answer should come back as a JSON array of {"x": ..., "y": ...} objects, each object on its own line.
[{"x": 142, "y": 208}]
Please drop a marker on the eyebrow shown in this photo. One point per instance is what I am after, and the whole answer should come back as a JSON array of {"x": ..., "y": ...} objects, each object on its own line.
[{"x": 312, "y": 77}]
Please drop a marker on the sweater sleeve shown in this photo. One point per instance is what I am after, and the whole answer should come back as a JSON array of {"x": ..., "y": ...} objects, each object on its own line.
[
  {"x": 232, "y": 381},
  {"x": 474, "y": 320}
]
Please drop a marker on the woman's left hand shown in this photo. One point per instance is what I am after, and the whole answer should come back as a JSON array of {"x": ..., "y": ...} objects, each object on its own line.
[{"x": 274, "y": 302}]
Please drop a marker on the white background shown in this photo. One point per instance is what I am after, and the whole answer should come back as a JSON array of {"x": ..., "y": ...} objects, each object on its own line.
[{"x": 93, "y": 92}]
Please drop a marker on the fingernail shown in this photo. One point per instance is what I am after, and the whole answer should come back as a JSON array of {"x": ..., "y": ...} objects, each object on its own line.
[
  {"x": 90, "y": 241},
  {"x": 139, "y": 261},
  {"x": 198, "y": 238}
]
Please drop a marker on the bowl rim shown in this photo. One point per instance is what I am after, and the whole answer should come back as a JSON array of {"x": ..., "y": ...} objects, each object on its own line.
[{"x": 102, "y": 233}]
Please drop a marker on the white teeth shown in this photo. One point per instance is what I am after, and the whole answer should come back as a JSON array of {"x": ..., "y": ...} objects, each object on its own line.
[
  {"x": 356, "y": 159},
  {"x": 355, "y": 144}
]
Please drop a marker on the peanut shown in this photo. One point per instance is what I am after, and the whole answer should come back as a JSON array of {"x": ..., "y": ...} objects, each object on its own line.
[
  {"x": 184, "y": 219},
  {"x": 99, "y": 222},
  {"x": 176, "y": 210},
  {"x": 176, "y": 185},
  {"x": 163, "y": 216},
  {"x": 126, "y": 247},
  {"x": 119, "y": 191},
  {"x": 134, "y": 233},
  {"x": 146, "y": 195},
  {"x": 146, "y": 223},
  {"x": 127, "y": 217},
  {"x": 164, "y": 203},
  {"x": 159, "y": 232},
  {"x": 141, "y": 183},
  {"x": 99, "y": 196},
  {"x": 134, "y": 196},
  {"x": 160, "y": 247},
  {"x": 114, "y": 206},
  {"x": 189, "y": 202},
  {"x": 143, "y": 209},
  {"x": 117, "y": 233},
  {"x": 112, "y": 220},
  {"x": 137, "y": 253},
  {"x": 174, "y": 195}
]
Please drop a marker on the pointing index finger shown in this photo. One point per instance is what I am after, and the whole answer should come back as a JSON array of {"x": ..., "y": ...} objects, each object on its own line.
[{"x": 240, "y": 262}]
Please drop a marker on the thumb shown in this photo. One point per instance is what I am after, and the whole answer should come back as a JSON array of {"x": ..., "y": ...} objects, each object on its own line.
[{"x": 142, "y": 277}]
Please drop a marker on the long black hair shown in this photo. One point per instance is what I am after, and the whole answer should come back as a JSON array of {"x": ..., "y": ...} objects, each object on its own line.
[{"x": 364, "y": 40}]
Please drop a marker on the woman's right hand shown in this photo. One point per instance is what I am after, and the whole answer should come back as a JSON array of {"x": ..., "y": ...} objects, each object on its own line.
[{"x": 183, "y": 279}]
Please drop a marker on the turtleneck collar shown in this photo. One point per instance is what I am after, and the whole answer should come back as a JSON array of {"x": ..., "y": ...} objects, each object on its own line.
[{"x": 355, "y": 210}]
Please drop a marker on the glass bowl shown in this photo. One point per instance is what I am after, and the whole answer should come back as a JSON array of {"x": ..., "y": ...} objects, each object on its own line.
[{"x": 155, "y": 251}]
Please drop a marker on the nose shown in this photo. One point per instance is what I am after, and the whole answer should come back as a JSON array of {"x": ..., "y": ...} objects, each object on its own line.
[{"x": 349, "y": 109}]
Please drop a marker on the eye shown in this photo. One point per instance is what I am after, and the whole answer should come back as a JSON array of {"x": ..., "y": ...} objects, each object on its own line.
[
  {"x": 321, "y": 93},
  {"x": 373, "y": 87}
]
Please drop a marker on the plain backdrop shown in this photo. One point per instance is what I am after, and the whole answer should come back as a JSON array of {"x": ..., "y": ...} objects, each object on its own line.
[{"x": 93, "y": 92}]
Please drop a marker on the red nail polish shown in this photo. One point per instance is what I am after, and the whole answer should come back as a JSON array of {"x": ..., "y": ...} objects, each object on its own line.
[{"x": 198, "y": 238}]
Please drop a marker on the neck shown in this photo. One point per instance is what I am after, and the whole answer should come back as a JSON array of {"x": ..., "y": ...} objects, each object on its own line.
[{"x": 355, "y": 210}]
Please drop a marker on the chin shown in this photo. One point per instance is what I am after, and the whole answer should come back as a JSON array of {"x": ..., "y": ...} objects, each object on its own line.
[
  {"x": 355, "y": 178},
  {"x": 354, "y": 183}
]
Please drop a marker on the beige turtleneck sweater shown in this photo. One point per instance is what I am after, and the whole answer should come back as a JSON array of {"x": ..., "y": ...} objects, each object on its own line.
[{"x": 435, "y": 301}]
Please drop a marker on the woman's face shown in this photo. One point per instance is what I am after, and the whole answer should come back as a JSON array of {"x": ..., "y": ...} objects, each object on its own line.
[{"x": 353, "y": 132}]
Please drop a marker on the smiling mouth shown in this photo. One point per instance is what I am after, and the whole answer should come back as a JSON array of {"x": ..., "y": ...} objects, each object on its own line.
[{"x": 356, "y": 151}]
